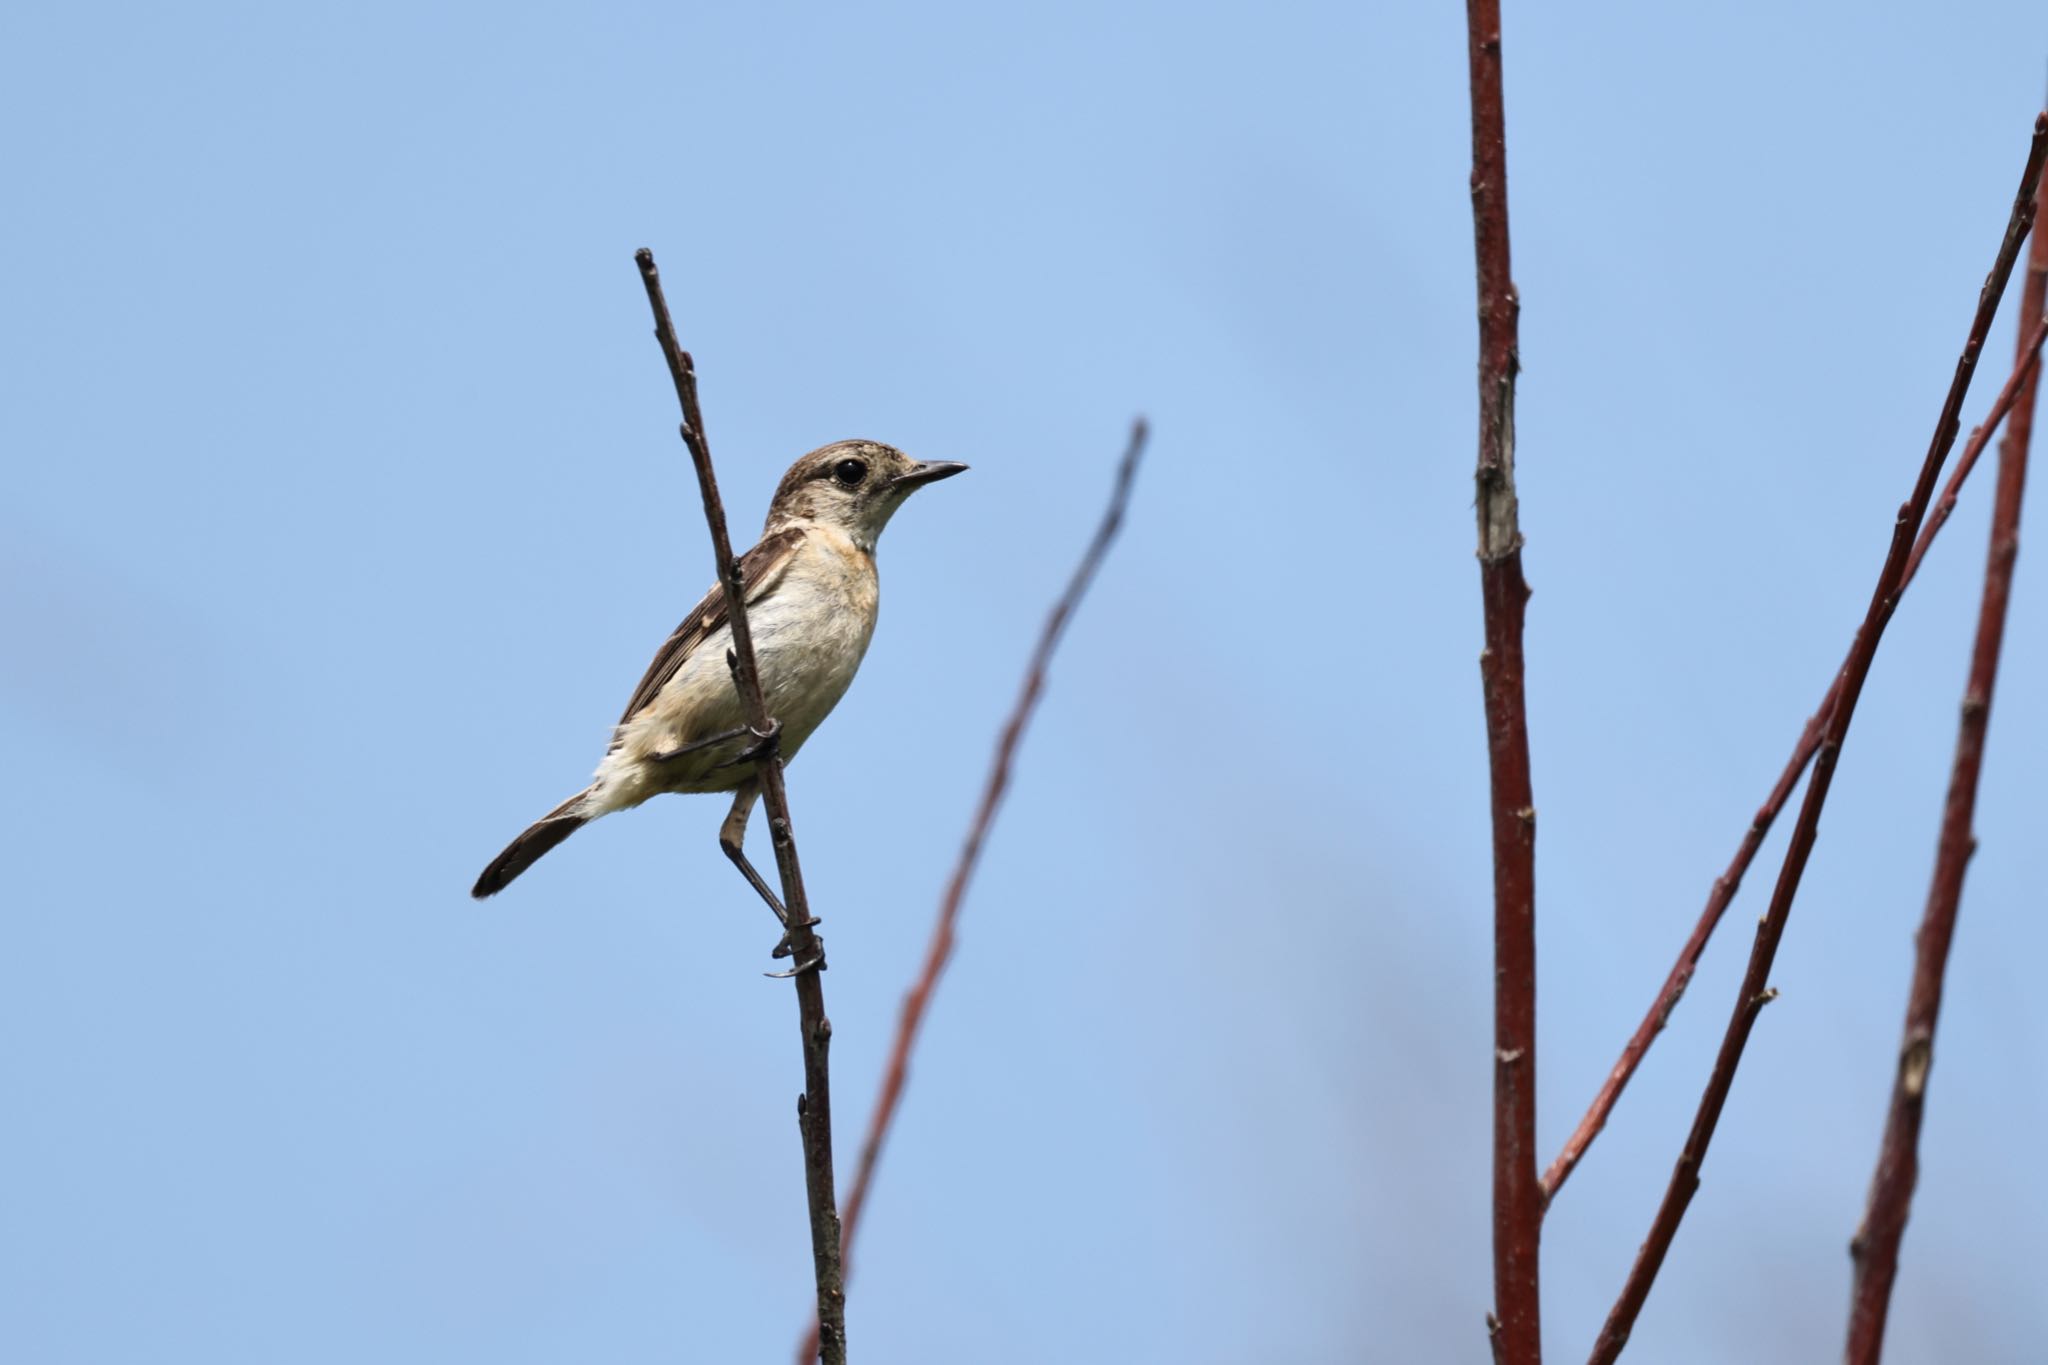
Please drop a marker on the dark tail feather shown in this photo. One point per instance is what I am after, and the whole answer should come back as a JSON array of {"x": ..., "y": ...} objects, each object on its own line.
[{"x": 523, "y": 852}]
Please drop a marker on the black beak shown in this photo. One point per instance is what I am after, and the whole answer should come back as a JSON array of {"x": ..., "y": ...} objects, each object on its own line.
[{"x": 931, "y": 471}]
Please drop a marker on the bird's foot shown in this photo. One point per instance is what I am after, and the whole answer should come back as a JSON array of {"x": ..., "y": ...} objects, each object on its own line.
[
  {"x": 766, "y": 743},
  {"x": 816, "y": 963},
  {"x": 787, "y": 946}
]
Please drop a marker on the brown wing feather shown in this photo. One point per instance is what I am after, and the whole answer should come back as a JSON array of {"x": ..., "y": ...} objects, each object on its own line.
[{"x": 759, "y": 567}]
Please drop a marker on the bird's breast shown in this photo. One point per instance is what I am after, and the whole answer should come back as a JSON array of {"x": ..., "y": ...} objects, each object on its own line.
[{"x": 811, "y": 633}]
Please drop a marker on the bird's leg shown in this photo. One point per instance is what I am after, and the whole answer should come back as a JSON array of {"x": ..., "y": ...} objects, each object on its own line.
[
  {"x": 732, "y": 837},
  {"x": 695, "y": 745},
  {"x": 766, "y": 742}
]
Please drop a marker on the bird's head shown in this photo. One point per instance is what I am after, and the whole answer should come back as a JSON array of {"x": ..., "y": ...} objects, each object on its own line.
[{"x": 854, "y": 486}]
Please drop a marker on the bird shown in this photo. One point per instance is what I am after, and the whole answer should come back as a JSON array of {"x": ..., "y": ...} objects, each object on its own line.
[{"x": 811, "y": 593}]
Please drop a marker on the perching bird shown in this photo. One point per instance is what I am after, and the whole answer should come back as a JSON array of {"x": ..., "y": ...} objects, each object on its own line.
[{"x": 811, "y": 594}]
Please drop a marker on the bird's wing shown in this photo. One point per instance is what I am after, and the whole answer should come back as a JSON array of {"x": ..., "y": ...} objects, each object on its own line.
[{"x": 759, "y": 568}]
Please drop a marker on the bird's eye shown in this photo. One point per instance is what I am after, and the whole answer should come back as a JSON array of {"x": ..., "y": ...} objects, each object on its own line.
[{"x": 850, "y": 472}]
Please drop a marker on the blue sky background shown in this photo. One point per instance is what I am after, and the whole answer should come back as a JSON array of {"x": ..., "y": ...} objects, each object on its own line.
[{"x": 344, "y": 507}]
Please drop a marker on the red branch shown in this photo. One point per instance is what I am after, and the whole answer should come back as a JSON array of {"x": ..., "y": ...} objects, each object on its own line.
[
  {"x": 1515, "y": 1323},
  {"x": 1730, "y": 880},
  {"x": 1876, "y": 1246},
  {"x": 1755, "y": 992},
  {"x": 2018, "y": 393},
  {"x": 940, "y": 949}
]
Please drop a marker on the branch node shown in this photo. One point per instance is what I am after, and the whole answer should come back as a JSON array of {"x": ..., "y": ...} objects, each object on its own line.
[
  {"x": 1674, "y": 992},
  {"x": 1915, "y": 1061}
]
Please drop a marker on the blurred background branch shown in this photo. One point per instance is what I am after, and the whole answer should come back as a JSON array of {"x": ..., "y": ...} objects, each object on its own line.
[{"x": 940, "y": 949}]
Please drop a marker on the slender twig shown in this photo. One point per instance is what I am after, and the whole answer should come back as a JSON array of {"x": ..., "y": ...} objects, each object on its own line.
[
  {"x": 1730, "y": 880},
  {"x": 1515, "y": 1324},
  {"x": 2017, "y": 393},
  {"x": 940, "y": 948},
  {"x": 1755, "y": 992},
  {"x": 814, "y": 1106},
  {"x": 1876, "y": 1245}
]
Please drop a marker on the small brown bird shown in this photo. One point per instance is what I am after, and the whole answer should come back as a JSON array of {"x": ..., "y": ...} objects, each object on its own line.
[{"x": 812, "y": 595}]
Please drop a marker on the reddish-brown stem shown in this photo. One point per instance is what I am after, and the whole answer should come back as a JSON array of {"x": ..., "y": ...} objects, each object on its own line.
[
  {"x": 1516, "y": 1322},
  {"x": 1876, "y": 1245},
  {"x": 2017, "y": 392},
  {"x": 1755, "y": 992},
  {"x": 814, "y": 1106},
  {"x": 1726, "y": 885},
  {"x": 940, "y": 948}
]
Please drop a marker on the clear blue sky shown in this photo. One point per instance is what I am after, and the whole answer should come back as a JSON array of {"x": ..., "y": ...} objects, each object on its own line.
[{"x": 344, "y": 507}]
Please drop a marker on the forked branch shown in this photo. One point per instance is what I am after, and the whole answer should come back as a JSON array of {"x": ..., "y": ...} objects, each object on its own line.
[
  {"x": 1730, "y": 880},
  {"x": 1755, "y": 991}
]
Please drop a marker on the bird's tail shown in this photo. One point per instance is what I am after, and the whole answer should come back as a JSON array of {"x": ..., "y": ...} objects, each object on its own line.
[{"x": 539, "y": 837}]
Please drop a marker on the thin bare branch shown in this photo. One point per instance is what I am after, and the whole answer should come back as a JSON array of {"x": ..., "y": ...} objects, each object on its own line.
[
  {"x": 939, "y": 950},
  {"x": 1726, "y": 885},
  {"x": 2017, "y": 393},
  {"x": 1755, "y": 992},
  {"x": 1876, "y": 1245},
  {"x": 1515, "y": 1324},
  {"x": 814, "y": 1106}
]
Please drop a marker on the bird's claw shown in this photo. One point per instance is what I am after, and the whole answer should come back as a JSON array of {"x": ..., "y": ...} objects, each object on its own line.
[
  {"x": 787, "y": 945},
  {"x": 766, "y": 744},
  {"x": 785, "y": 949}
]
